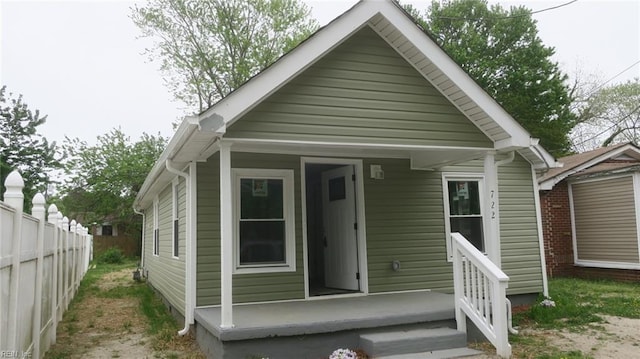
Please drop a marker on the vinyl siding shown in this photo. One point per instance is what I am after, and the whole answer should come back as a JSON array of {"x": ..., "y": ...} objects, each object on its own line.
[
  {"x": 361, "y": 92},
  {"x": 405, "y": 222},
  {"x": 520, "y": 248},
  {"x": 246, "y": 287},
  {"x": 166, "y": 273},
  {"x": 605, "y": 220}
]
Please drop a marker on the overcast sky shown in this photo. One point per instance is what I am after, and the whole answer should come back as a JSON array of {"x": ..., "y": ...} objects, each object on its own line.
[{"x": 80, "y": 63}]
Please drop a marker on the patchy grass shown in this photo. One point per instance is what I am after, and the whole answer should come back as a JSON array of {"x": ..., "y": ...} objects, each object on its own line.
[
  {"x": 114, "y": 316},
  {"x": 581, "y": 307},
  {"x": 580, "y": 303}
]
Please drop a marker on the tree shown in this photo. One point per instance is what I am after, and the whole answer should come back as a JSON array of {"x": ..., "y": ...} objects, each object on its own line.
[
  {"x": 104, "y": 179},
  {"x": 609, "y": 115},
  {"x": 500, "y": 49},
  {"x": 23, "y": 148},
  {"x": 209, "y": 48}
]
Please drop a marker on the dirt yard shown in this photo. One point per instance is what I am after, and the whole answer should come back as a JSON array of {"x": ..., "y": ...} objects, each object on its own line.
[
  {"x": 615, "y": 338},
  {"x": 114, "y": 327},
  {"x": 108, "y": 322}
]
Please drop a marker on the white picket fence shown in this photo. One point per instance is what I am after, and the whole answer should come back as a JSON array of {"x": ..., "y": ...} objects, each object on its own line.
[{"x": 41, "y": 264}]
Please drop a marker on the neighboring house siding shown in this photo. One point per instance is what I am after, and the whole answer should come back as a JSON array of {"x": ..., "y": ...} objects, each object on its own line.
[
  {"x": 605, "y": 220},
  {"x": 166, "y": 273},
  {"x": 520, "y": 245},
  {"x": 405, "y": 222},
  {"x": 362, "y": 92},
  {"x": 246, "y": 287},
  {"x": 556, "y": 224}
]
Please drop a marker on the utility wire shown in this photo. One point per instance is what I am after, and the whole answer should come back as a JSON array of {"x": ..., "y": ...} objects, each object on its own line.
[
  {"x": 611, "y": 79},
  {"x": 511, "y": 16},
  {"x": 608, "y": 128}
]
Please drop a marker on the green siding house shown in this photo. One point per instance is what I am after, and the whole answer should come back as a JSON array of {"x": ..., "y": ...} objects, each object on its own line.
[{"x": 340, "y": 172}]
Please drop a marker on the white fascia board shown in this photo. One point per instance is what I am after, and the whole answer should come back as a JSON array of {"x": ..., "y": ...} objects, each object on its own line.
[
  {"x": 287, "y": 67},
  {"x": 546, "y": 185},
  {"x": 184, "y": 131},
  {"x": 455, "y": 73}
]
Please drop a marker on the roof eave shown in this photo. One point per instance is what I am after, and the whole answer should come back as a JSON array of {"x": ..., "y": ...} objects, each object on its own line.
[
  {"x": 548, "y": 183},
  {"x": 188, "y": 126}
]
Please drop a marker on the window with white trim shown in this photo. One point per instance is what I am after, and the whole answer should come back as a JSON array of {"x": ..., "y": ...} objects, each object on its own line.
[
  {"x": 176, "y": 220},
  {"x": 156, "y": 229},
  {"x": 264, "y": 232},
  {"x": 463, "y": 210}
]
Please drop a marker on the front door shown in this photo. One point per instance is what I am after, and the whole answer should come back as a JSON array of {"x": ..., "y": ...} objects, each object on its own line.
[{"x": 339, "y": 220}]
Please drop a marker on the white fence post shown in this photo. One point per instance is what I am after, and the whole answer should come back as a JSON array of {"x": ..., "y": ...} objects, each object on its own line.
[
  {"x": 65, "y": 247},
  {"x": 53, "y": 219},
  {"x": 36, "y": 290},
  {"x": 73, "y": 226},
  {"x": 13, "y": 197},
  {"x": 38, "y": 211}
]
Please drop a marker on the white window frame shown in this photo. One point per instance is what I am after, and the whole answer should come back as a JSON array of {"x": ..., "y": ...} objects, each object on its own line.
[
  {"x": 156, "y": 228},
  {"x": 175, "y": 196},
  {"x": 468, "y": 177},
  {"x": 288, "y": 206}
]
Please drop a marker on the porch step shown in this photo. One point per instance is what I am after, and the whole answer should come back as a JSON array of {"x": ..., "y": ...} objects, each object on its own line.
[
  {"x": 437, "y": 354},
  {"x": 416, "y": 341}
]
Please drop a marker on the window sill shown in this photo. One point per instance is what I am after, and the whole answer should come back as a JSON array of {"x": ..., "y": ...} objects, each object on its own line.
[
  {"x": 608, "y": 265},
  {"x": 266, "y": 269}
]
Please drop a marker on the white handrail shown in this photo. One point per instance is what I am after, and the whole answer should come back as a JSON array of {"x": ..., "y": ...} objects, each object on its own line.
[{"x": 480, "y": 290}]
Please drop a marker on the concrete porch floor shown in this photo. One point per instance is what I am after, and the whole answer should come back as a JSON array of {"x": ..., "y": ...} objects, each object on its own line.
[{"x": 254, "y": 321}]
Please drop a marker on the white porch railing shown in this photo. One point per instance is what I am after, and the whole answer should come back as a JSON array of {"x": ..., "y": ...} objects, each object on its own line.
[{"x": 480, "y": 294}]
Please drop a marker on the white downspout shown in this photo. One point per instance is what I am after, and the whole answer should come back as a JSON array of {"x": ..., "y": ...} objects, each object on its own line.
[
  {"x": 543, "y": 259},
  {"x": 510, "y": 157},
  {"x": 135, "y": 210},
  {"x": 189, "y": 306}
]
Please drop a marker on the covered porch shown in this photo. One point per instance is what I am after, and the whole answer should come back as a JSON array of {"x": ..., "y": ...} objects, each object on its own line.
[
  {"x": 315, "y": 328},
  {"x": 289, "y": 318}
]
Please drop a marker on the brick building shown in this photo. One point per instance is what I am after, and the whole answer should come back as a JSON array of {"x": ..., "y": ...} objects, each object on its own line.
[{"x": 591, "y": 214}]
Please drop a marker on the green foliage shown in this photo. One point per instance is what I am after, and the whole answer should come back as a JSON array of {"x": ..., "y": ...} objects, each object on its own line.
[
  {"x": 23, "y": 148},
  {"x": 209, "y": 48},
  {"x": 111, "y": 256},
  {"x": 500, "y": 49},
  {"x": 104, "y": 179},
  {"x": 610, "y": 115}
]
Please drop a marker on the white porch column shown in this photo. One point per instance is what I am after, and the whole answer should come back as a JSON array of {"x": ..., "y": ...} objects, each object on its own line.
[
  {"x": 226, "y": 237},
  {"x": 492, "y": 210}
]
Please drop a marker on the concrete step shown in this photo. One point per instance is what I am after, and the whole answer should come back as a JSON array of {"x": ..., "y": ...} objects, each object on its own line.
[
  {"x": 437, "y": 354},
  {"x": 412, "y": 341}
]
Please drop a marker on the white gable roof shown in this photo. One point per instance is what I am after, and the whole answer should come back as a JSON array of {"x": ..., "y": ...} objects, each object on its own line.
[
  {"x": 392, "y": 23},
  {"x": 194, "y": 139}
]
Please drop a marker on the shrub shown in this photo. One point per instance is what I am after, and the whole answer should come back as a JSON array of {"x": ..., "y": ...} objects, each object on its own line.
[{"x": 111, "y": 256}]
